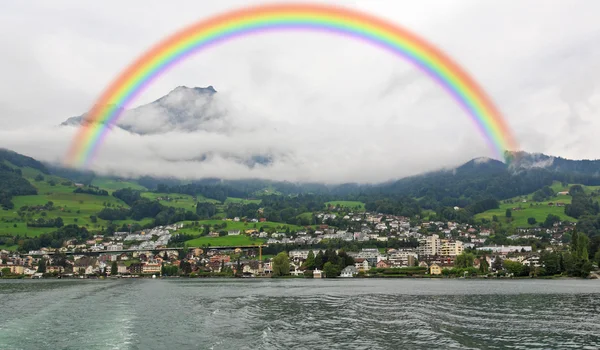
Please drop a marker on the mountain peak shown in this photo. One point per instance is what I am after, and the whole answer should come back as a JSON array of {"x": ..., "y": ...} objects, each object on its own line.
[
  {"x": 183, "y": 108},
  {"x": 203, "y": 90}
]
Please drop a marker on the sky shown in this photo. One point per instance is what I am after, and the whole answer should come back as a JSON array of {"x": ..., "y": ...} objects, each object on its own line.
[{"x": 323, "y": 108}]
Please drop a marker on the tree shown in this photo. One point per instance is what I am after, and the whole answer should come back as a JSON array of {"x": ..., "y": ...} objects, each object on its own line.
[
  {"x": 551, "y": 220},
  {"x": 514, "y": 267},
  {"x": 497, "y": 264},
  {"x": 331, "y": 270},
  {"x": 484, "y": 266},
  {"x": 281, "y": 264},
  {"x": 576, "y": 189},
  {"x": 531, "y": 221},
  {"x": 309, "y": 263},
  {"x": 508, "y": 213},
  {"x": 114, "y": 269},
  {"x": 464, "y": 260},
  {"x": 319, "y": 260},
  {"x": 42, "y": 266}
]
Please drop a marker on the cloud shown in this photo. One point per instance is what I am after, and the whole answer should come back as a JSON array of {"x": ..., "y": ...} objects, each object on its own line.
[{"x": 303, "y": 106}]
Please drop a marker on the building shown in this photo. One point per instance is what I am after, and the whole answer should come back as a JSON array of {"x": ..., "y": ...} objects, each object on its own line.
[
  {"x": 505, "y": 249},
  {"x": 429, "y": 245},
  {"x": 135, "y": 269},
  {"x": 383, "y": 264},
  {"x": 151, "y": 268},
  {"x": 317, "y": 273},
  {"x": 299, "y": 254},
  {"x": 121, "y": 269},
  {"x": 219, "y": 258},
  {"x": 14, "y": 269},
  {"x": 361, "y": 264},
  {"x": 451, "y": 247},
  {"x": 435, "y": 269},
  {"x": 349, "y": 271}
]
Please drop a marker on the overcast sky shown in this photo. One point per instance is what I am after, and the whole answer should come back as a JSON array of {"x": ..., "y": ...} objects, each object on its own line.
[{"x": 325, "y": 108}]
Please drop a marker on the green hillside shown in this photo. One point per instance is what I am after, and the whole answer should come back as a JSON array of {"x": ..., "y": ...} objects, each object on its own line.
[{"x": 523, "y": 207}]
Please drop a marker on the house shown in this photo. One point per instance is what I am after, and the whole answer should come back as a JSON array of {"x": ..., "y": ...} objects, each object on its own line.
[
  {"x": 52, "y": 269},
  {"x": 14, "y": 269},
  {"x": 295, "y": 270},
  {"x": 233, "y": 233},
  {"x": 383, "y": 264},
  {"x": 151, "y": 268},
  {"x": 89, "y": 270},
  {"x": 361, "y": 264},
  {"x": 121, "y": 269},
  {"x": 317, "y": 273},
  {"x": 349, "y": 271},
  {"x": 219, "y": 258},
  {"x": 423, "y": 264},
  {"x": 135, "y": 269},
  {"x": 435, "y": 269}
]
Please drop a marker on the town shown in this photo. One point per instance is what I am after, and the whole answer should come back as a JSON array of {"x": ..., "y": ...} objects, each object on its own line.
[{"x": 381, "y": 246}]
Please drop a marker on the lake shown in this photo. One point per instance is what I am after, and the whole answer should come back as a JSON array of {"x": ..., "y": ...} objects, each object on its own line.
[{"x": 299, "y": 314}]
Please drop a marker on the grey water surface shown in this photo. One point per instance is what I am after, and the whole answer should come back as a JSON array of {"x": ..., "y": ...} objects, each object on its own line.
[{"x": 299, "y": 314}]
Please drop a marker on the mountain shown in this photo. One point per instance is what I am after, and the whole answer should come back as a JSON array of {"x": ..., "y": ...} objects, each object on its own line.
[
  {"x": 183, "y": 109},
  {"x": 476, "y": 180},
  {"x": 523, "y": 160}
]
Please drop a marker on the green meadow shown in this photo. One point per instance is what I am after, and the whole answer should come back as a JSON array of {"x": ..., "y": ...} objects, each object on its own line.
[
  {"x": 241, "y": 200},
  {"x": 114, "y": 184},
  {"x": 523, "y": 207}
]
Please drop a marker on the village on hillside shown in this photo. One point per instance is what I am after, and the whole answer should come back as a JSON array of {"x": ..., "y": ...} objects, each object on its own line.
[{"x": 384, "y": 245}]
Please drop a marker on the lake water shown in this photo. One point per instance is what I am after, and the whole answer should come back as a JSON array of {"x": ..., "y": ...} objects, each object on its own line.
[{"x": 300, "y": 314}]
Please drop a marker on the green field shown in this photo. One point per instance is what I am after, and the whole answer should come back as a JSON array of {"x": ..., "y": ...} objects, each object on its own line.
[
  {"x": 348, "y": 204},
  {"x": 241, "y": 200},
  {"x": 112, "y": 184},
  {"x": 11, "y": 248},
  {"x": 175, "y": 200},
  {"x": 228, "y": 241},
  {"x": 530, "y": 209}
]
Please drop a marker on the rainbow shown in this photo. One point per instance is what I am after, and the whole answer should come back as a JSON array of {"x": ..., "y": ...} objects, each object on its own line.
[{"x": 280, "y": 17}]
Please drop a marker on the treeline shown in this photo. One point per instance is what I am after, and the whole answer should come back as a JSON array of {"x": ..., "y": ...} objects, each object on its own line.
[
  {"x": 141, "y": 208},
  {"x": 218, "y": 192},
  {"x": 403, "y": 206},
  {"x": 206, "y": 210},
  {"x": 581, "y": 203},
  {"x": 43, "y": 222},
  {"x": 12, "y": 183},
  {"x": 21, "y": 160},
  {"x": 279, "y": 208},
  {"x": 93, "y": 190},
  {"x": 54, "y": 239},
  {"x": 543, "y": 194}
]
